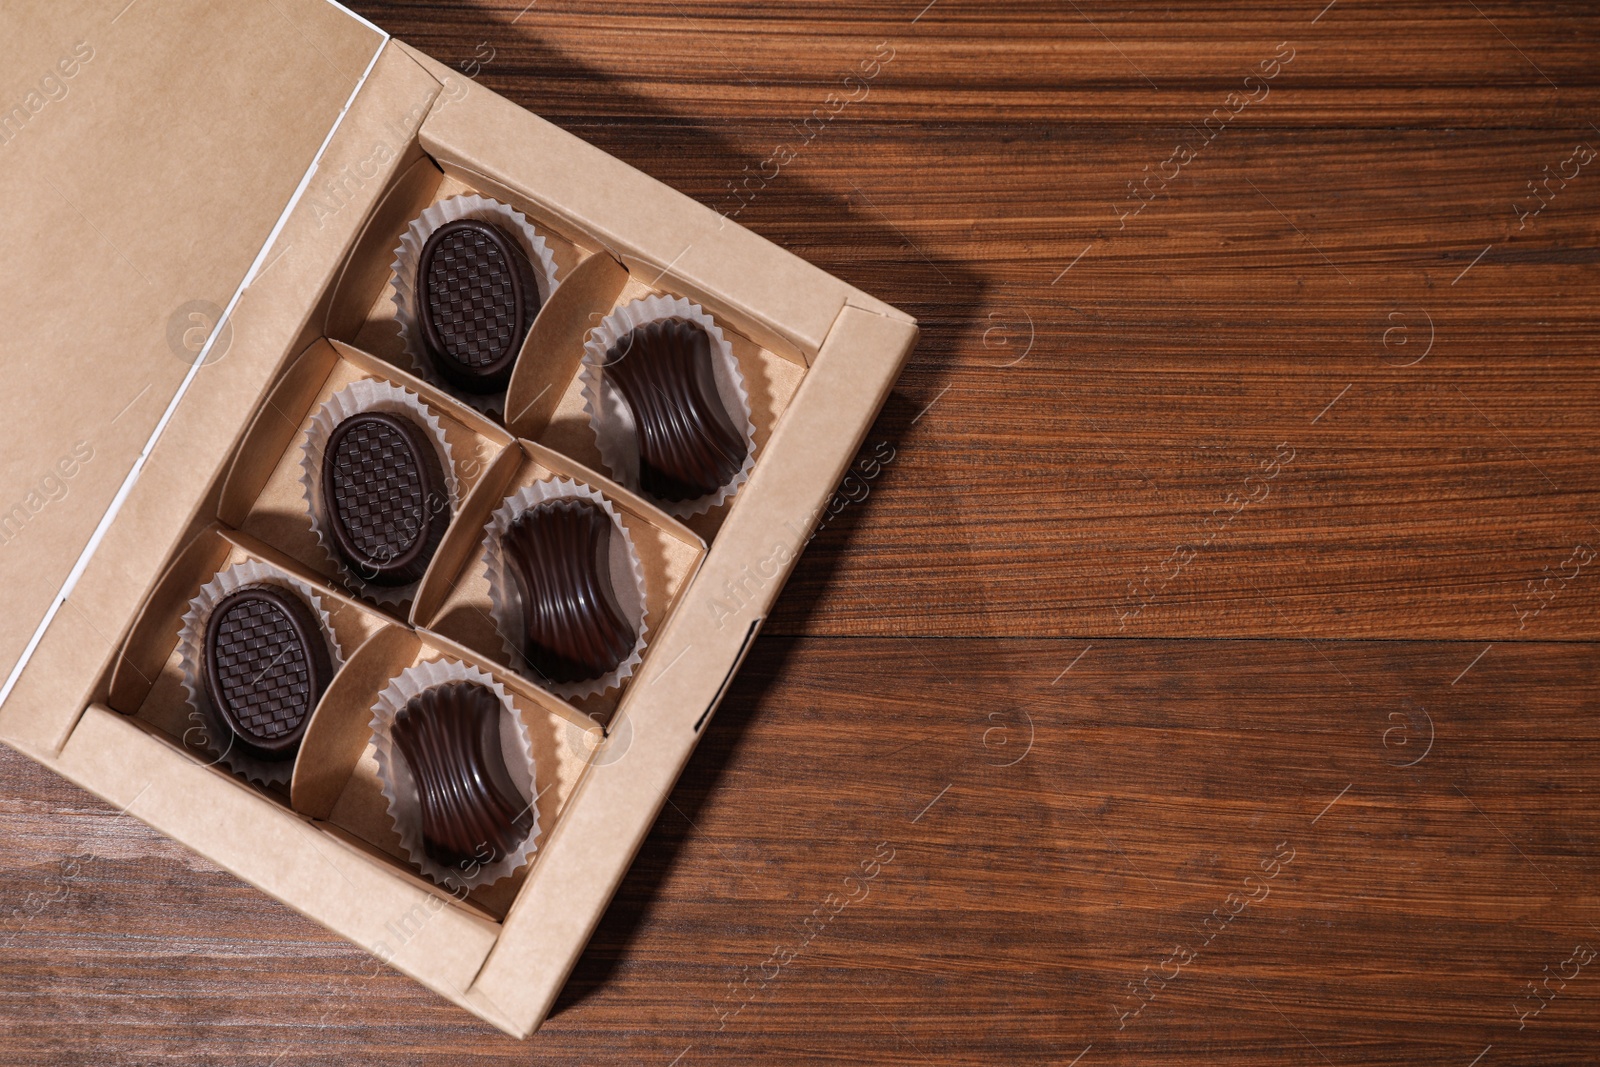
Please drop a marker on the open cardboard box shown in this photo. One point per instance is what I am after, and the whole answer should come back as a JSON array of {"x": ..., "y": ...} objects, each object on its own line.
[{"x": 215, "y": 193}]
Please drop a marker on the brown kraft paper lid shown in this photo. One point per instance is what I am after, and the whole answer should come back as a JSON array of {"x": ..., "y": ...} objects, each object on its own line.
[{"x": 147, "y": 152}]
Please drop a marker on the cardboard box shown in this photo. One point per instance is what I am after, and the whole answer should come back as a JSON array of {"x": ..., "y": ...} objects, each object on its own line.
[{"x": 212, "y": 195}]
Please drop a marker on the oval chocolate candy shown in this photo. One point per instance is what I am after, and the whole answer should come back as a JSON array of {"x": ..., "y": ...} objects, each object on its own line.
[
  {"x": 266, "y": 666},
  {"x": 471, "y": 812},
  {"x": 558, "y": 554},
  {"x": 384, "y": 492},
  {"x": 688, "y": 446},
  {"x": 476, "y": 299}
]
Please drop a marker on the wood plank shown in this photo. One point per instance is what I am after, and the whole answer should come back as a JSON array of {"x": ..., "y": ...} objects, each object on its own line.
[
  {"x": 1021, "y": 845},
  {"x": 717, "y": 62}
]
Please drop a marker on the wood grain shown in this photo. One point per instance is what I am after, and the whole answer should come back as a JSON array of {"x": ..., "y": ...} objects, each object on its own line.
[
  {"x": 1206, "y": 542},
  {"x": 1325, "y": 237},
  {"x": 1049, "y": 839}
]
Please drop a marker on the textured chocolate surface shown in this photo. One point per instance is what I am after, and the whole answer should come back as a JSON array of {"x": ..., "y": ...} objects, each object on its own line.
[
  {"x": 471, "y": 812},
  {"x": 559, "y": 557},
  {"x": 476, "y": 299},
  {"x": 688, "y": 446},
  {"x": 385, "y": 493},
  {"x": 266, "y": 665}
]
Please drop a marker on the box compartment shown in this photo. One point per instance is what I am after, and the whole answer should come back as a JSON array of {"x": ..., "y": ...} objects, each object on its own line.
[
  {"x": 336, "y": 780},
  {"x": 263, "y": 495},
  {"x": 147, "y": 674},
  {"x": 454, "y": 598},
  {"x": 361, "y": 309}
]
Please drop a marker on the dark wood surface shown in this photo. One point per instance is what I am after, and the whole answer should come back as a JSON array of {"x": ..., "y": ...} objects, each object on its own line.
[{"x": 1235, "y": 563}]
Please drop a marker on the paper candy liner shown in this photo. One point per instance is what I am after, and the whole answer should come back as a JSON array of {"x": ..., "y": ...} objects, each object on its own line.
[
  {"x": 403, "y": 278},
  {"x": 217, "y": 737},
  {"x": 400, "y": 787},
  {"x": 368, "y": 394},
  {"x": 612, "y": 420},
  {"x": 627, "y": 578}
]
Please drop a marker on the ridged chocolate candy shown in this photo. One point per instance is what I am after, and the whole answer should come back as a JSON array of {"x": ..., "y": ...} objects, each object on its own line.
[
  {"x": 387, "y": 503},
  {"x": 471, "y": 812},
  {"x": 559, "y": 556},
  {"x": 266, "y": 665},
  {"x": 688, "y": 446},
  {"x": 476, "y": 299}
]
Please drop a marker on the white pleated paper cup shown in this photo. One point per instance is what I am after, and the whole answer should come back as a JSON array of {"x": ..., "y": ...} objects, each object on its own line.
[
  {"x": 368, "y": 394},
  {"x": 408, "y": 256},
  {"x": 612, "y": 421},
  {"x": 399, "y": 782},
  {"x": 207, "y": 728},
  {"x": 627, "y": 581}
]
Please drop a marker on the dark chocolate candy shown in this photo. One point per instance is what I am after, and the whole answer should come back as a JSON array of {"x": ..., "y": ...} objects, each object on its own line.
[
  {"x": 385, "y": 494},
  {"x": 559, "y": 557},
  {"x": 476, "y": 298},
  {"x": 266, "y": 665},
  {"x": 688, "y": 446},
  {"x": 471, "y": 812}
]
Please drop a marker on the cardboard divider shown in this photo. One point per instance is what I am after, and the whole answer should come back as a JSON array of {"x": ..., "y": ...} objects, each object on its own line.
[
  {"x": 149, "y": 643},
  {"x": 454, "y": 600},
  {"x": 147, "y": 679},
  {"x": 463, "y": 538},
  {"x": 554, "y": 349},
  {"x": 336, "y": 778},
  {"x": 263, "y": 495},
  {"x": 364, "y": 280},
  {"x": 336, "y": 738}
]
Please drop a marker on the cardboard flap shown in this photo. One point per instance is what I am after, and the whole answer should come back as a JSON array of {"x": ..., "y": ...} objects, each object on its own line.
[{"x": 147, "y": 152}]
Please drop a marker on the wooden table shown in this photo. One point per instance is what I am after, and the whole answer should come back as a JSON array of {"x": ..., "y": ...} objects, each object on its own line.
[{"x": 1210, "y": 676}]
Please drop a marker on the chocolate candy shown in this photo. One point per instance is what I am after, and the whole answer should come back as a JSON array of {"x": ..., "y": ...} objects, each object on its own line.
[
  {"x": 384, "y": 491},
  {"x": 559, "y": 556},
  {"x": 476, "y": 298},
  {"x": 688, "y": 447},
  {"x": 471, "y": 812},
  {"x": 266, "y": 665}
]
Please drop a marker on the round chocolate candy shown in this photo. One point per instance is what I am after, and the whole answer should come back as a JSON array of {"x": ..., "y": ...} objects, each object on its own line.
[
  {"x": 688, "y": 446},
  {"x": 471, "y": 812},
  {"x": 559, "y": 556},
  {"x": 476, "y": 298},
  {"x": 266, "y": 665},
  {"x": 385, "y": 495}
]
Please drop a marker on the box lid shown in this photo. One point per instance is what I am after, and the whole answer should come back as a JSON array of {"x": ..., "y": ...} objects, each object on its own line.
[{"x": 148, "y": 151}]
